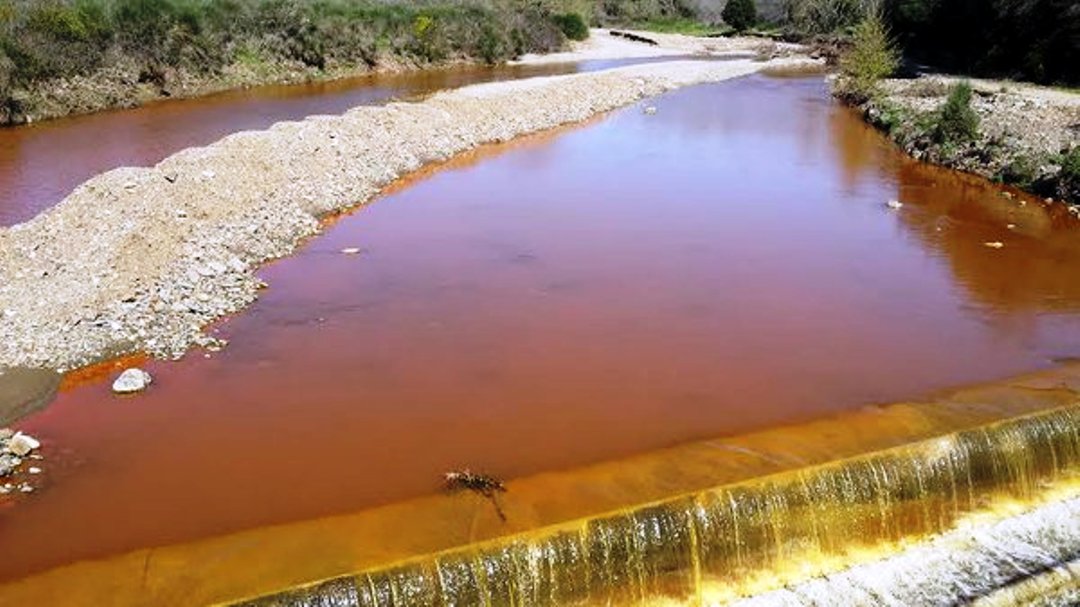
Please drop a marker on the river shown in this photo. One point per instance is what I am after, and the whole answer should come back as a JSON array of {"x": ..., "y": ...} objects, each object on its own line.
[{"x": 726, "y": 264}]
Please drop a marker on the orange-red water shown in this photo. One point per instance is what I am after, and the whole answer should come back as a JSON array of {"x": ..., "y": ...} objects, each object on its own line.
[
  {"x": 42, "y": 163},
  {"x": 724, "y": 265}
]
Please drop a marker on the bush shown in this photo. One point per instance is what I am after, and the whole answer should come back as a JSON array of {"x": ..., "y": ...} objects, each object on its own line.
[
  {"x": 42, "y": 40},
  {"x": 870, "y": 58},
  {"x": 572, "y": 25},
  {"x": 1069, "y": 177},
  {"x": 957, "y": 122},
  {"x": 740, "y": 14},
  {"x": 1020, "y": 171}
]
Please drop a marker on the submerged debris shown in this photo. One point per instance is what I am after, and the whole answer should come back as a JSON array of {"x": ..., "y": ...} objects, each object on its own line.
[{"x": 481, "y": 484}]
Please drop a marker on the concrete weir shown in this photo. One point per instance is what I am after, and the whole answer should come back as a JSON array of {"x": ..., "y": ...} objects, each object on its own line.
[
  {"x": 969, "y": 494},
  {"x": 715, "y": 546}
]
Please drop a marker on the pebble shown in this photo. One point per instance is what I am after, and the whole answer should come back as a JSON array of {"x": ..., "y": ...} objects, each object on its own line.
[
  {"x": 350, "y": 251},
  {"x": 8, "y": 464},
  {"x": 894, "y": 204},
  {"x": 994, "y": 244},
  {"x": 650, "y": 110},
  {"x": 22, "y": 444},
  {"x": 34, "y": 470},
  {"x": 131, "y": 381}
]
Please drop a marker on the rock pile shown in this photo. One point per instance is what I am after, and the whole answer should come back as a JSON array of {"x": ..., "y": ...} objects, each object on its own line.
[{"x": 16, "y": 449}]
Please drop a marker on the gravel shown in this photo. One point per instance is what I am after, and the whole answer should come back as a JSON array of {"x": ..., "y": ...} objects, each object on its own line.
[{"x": 141, "y": 259}]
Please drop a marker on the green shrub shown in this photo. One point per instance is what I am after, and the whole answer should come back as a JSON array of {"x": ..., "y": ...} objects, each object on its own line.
[
  {"x": 957, "y": 122},
  {"x": 1021, "y": 171},
  {"x": 1069, "y": 177},
  {"x": 572, "y": 25},
  {"x": 740, "y": 14},
  {"x": 870, "y": 58}
]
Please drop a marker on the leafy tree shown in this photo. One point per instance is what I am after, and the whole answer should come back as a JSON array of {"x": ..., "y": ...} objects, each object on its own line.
[
  {"x": 573, "y": 26},
  {"x": 740, "y": 14},
  {"x": 871, "y": 58}
]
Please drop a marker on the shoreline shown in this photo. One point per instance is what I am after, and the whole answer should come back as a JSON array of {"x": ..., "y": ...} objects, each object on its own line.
[
  {"x": 1025, "y": 133},
  {"x": 118, "y": 87},
  {"x": 219, "y": 212}
]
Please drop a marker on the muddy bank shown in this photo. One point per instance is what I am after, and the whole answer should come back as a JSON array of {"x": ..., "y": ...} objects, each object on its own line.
[
  {"x": 1028, "y": 136},
  {"x": 140, "y": 259},
  {"x": 23, "y": 391}
]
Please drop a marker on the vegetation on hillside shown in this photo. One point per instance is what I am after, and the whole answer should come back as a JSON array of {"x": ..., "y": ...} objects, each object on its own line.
[{"x": 42, "y": 40}]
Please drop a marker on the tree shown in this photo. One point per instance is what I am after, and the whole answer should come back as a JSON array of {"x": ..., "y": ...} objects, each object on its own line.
[
  {"x": 740, "y": 14},
  {"x": 957, "y": 121},
  {"x": 870, "y": 58}
]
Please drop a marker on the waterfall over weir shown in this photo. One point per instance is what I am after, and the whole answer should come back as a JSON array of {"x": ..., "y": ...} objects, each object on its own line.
[{"x": 736, "y": 540}]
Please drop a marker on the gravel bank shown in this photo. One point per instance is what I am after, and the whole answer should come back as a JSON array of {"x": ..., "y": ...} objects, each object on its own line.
[
  {"x": 1024, "y": 130},
  {"x": 140, "y": 259}
]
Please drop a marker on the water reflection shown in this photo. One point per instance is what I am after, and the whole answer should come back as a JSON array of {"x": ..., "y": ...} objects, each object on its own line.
[
  {"x": 724, "y": 265},
  {"x": 41, "y": 163}
]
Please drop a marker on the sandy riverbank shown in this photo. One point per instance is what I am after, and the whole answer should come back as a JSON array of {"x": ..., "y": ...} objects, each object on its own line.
[
  {"x": 601, "y": 44},
  {"x": 141, "y": 259}
]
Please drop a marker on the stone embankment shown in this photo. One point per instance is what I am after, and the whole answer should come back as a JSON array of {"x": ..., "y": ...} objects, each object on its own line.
[{"x": 141, "y": 259}]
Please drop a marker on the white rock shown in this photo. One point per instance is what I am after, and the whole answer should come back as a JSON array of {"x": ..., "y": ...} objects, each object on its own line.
[
  {"x": 994, "y": 245},
  {"x": 131, "y": 381},
  {"x": 894, "y": 204},
  {"x": 22, "y": 444},
  {"x": 34, "y": 470},
  {"x": 650, "y": 110},
  {"x": 350, "y": 251}
]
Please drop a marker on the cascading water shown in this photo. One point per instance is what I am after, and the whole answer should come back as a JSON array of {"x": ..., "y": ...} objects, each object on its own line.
[{"x": 733, "y": 541}]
